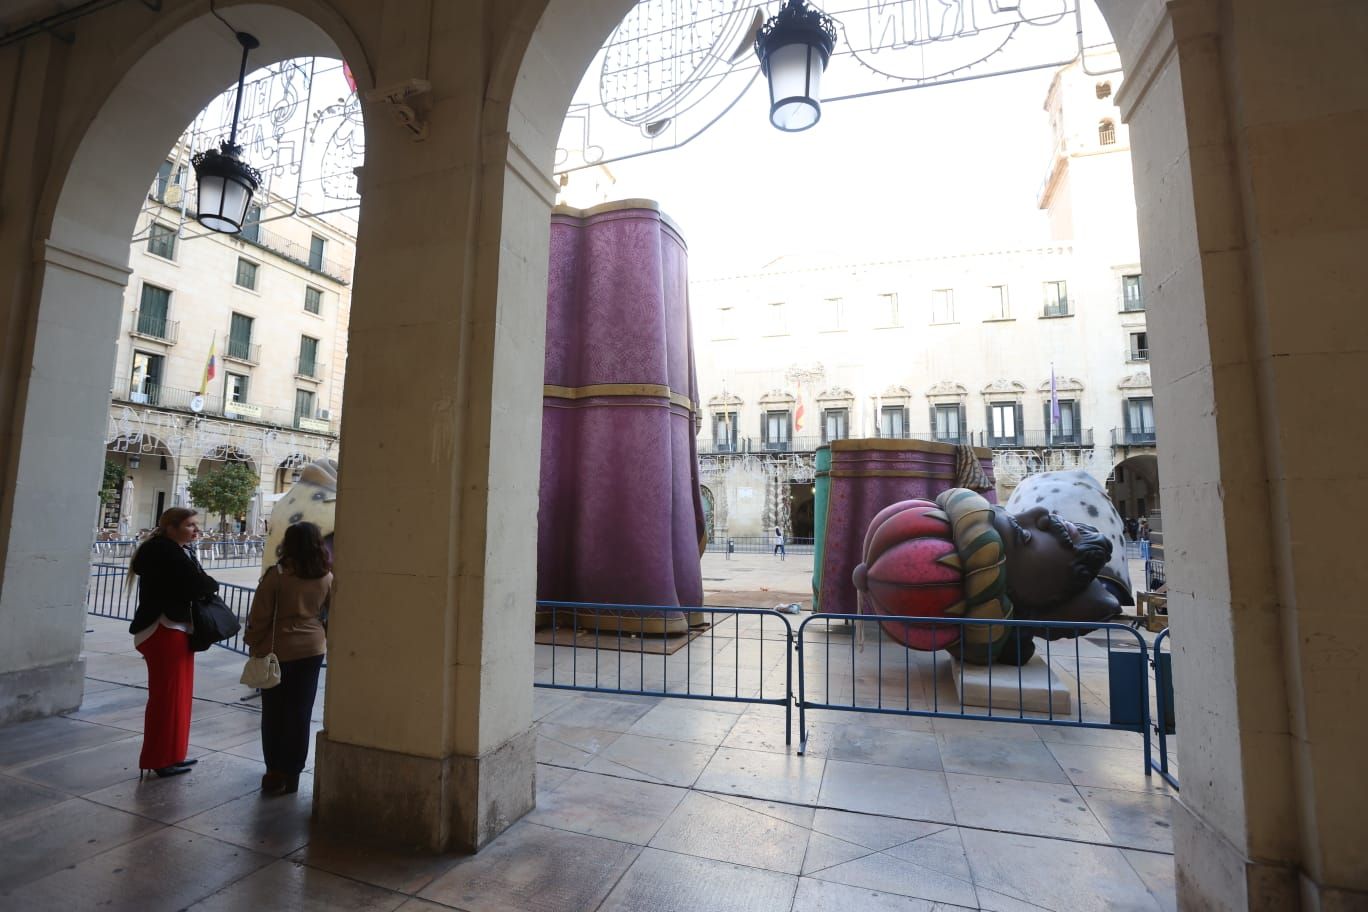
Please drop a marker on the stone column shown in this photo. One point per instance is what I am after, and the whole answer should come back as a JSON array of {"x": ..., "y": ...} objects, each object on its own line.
[
  {"x": 428, "y": 736},
  {"x": 1253, "y": 219}
]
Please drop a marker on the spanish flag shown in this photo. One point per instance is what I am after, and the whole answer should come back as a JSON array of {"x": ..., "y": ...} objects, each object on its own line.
[{"x": 210, "y": 367}]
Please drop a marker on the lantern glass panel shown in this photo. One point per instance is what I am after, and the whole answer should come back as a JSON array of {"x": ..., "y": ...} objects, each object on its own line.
[{"x": 795, "y": 75}]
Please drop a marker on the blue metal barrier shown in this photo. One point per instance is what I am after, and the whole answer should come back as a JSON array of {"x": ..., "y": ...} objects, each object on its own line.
[
  {"x": 1164, "y": 723},
  {"x": 108, "y": 596},
  {"x": 910, "y": 666},
  {"x": 214, "y": 555},
  {"x": 612, "y": 680}
]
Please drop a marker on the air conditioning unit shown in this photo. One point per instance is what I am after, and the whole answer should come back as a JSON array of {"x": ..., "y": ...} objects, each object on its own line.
[{"x": 324, "y": 414}]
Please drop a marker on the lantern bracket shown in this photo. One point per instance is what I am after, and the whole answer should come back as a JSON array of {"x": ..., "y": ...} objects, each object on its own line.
[{"x": 409, "y": 103}]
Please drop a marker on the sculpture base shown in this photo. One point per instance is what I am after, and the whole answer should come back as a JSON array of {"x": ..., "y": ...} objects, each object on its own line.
[{"x": 1039, "y": 691}]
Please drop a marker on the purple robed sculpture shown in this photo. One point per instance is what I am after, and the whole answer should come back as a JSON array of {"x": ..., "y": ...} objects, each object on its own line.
[{"x": 621, "y": 517}]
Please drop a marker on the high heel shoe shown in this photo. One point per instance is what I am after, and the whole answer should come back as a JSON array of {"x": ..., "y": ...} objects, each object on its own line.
[{"x": 166, "y": 772}]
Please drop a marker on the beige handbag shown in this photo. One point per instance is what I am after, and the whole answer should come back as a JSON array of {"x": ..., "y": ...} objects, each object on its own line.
[{"x": 264, "y": 673}]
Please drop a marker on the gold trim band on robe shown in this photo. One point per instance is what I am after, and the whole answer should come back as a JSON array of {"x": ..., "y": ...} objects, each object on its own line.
[{"x": 595, "y": 390}]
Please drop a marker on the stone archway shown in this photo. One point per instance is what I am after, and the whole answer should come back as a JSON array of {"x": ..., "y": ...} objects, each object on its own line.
[
  {"x": 1195, "y": 105},
  {"x": 66, "y": 249}
]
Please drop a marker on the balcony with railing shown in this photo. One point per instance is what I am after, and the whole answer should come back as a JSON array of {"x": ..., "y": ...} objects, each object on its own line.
[
  {"x": 155, "y": 326},
  {"x": 1081, "y": 438},
  {"x": 242, "y": 350},
  {"x": 309, "y": 369},
  {"x": 295, "y": 252},
  {"x": 1137, "y": 354},
  {"x": 1128, "y": 437},
  {"x": 180, "y": 400}
]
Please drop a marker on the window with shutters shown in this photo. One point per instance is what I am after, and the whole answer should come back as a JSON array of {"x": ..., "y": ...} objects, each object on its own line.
[
  {"x": 1057, "y": 299},
  {"x": 947, "y": 423},
  {"x": 1004, "y": 423},
  {"x": 246, "y": 275},
  {"x": 161, "y": 240},
  {"x": 835, "y": 424},
  {"x": 1065, "y": 431},
  {"x": 1140, "y": 420},
  {"x": 724, "y": 432},
  {"x": 313, "y": 300},
  {"x": 893, "y": 422},
  {"x": 316, "y": 247},
  {"x": 1132, "y": 295},
  {"x": 778, "y": 430},
  {"x": 152, "y": 312}
]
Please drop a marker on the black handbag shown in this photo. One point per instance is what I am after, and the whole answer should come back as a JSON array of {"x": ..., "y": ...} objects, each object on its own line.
[{"x": 212, "y": 621}]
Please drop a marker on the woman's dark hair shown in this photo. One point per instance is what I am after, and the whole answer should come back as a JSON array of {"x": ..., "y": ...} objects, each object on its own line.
[{"x": 302, "y": 551}]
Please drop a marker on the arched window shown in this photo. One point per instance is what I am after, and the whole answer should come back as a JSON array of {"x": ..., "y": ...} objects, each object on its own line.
[
  {"x": 1106, "y": 133},
  {"x": 1104, "y": 90}
]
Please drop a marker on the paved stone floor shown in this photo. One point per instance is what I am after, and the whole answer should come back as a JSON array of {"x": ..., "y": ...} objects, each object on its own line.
[{"x": 642, "y": 804}]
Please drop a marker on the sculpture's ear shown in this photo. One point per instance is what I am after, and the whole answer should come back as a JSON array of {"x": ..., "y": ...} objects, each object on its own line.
[{"x": 1095, "y": 603}]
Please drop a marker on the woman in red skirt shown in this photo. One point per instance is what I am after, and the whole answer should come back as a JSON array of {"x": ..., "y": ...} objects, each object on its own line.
[{"x": 169, "y": 579}]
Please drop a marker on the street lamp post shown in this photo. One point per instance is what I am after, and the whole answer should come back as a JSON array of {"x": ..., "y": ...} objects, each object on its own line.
[{"x": 226, "y": 182}]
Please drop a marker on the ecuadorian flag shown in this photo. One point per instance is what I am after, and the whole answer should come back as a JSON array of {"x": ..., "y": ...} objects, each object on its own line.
[{"x": 210, "y": 368}]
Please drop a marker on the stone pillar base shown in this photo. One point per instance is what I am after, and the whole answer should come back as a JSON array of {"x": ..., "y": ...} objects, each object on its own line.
[
  {"x": 425, "y": 803},
  {"x": 44, "y": 691},
  {"x": 1213, "y": 874}
]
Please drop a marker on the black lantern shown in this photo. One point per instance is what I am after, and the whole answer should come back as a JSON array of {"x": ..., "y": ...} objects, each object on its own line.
[
  {"x": 226, "y": 182},
  {"x": 794, "y": 48}
]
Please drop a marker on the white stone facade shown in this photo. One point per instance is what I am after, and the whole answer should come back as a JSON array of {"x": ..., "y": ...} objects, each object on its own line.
[
  {"x": 275, "y": 400},
  {"x": 953, "y": 344}
]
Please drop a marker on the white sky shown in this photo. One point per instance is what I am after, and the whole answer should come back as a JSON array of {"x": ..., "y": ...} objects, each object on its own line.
[{"x": 947, "y": 167}]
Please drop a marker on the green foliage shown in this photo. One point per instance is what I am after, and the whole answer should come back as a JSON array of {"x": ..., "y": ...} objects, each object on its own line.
[
  {"x": 113, "y": 481},
  {"x": 227, "y": 491}
]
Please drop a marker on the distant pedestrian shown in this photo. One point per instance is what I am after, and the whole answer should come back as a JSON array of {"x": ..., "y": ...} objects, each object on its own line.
[
  {"x": 779, "y": 543},
  {"x": 1144, "y": 534}
]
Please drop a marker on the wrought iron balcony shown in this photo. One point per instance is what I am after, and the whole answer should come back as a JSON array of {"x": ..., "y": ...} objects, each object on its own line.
[
  {"x": 295, "y": 252},
  {"x": 1128, "y": 437},
  {"x": 242, "y": 350},
  {"x": 1137, "y": 354},
  {"x": 309, "y": 369},
  {"x": 165, "y": 397},
  {"x": 155, "y": 326},
  {"x": 1038, "y": 439}
]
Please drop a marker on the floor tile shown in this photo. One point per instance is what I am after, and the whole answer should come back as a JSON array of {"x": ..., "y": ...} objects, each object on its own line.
[
  {"x": 869, "y": 830},
  {"x": 1010, "y": 870},
  {"x": 167, "y": 870},
  {"x": 923, "y": 879},
  {"x": 87, "y": 770},
  {"x": 1106, "y": 767},
  {"x": 1005, "y": 758},
  {"x": 534, "y": 868},
  {"x": 1156, "y": 871},
  {"x": 653, "y": 759},
  {"x": 1138, "y": 820},
  {"x": 1017, "y": 806},
  {"x": 825, "y": 851},
  {"x": 887, "y": 790},
  {"x": 549, "y": 778},
  {"x": 600, "y": 712},
  {"x": 756, "y": 774},
  {"x": 378, "y": 864},
  {"x": 36, "y": 844},
  {"x": 665, "y": 882},
  {"x": 218, "y": 779},
  {"x": 709, "y": 827},
  {"x": 273, "y": 825},
  {"x": 823, "y": 896},
  {"x": 683, "y": 723},
  {"x": 224, "y": 729},
  {"x": 886, "y": 747},
  {"x": 29, "y": 742},
  {"x": 606, "y": 806},
  {"x": 20, "y": 797},
  {"x": 299, "y": 888},
  {"x": 1012, "y": 730}
]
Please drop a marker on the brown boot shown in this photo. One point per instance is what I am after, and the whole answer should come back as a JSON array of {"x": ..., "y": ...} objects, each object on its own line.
[{"x": 274, "y": 783}]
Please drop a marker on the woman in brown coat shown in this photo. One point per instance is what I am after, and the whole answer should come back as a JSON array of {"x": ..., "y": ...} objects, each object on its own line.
[{"x": 287, "y": 618}]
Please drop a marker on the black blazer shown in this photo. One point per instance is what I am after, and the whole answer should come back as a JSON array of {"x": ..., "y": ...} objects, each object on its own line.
[{"x": 168, "y": 581}]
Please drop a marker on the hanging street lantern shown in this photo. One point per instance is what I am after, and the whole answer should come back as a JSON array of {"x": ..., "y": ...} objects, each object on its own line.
[
  {"x": 226, "y": 182},
  {"x": 794, "y": 48}
]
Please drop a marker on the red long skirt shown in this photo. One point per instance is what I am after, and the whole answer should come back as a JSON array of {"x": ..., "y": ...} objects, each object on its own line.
[{"x": 170, "y": 688}]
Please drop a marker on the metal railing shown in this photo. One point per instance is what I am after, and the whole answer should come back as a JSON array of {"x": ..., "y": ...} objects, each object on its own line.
[
  {"x": 1137, "y": 354},
  {"x": 214, "y": 555},
  {"x": 894, "y": 682},
  {"x": 1036, "y": 439},
  {"x": 109, "y": 596},
  {"x": 297, "y": 253},
  {"x": 609, "y": 666},
  {"x": 1164, "y": 721},
  {"x": 311, "y": 369},
  {"x": 180, "y": 399},
  {"x": 155, "y": 326},
  {"x": 1124, "y": 437},
  {"x": 242, "y": 350},
  {"x": 757, "y": 544}
]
